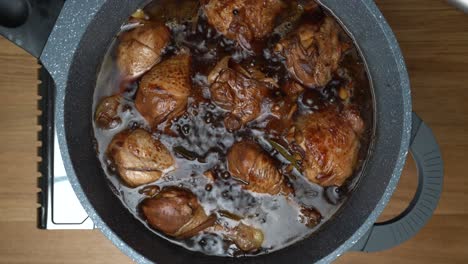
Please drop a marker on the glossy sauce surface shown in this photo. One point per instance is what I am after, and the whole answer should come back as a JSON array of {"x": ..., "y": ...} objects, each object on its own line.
[{"x": 199, "y": 140}]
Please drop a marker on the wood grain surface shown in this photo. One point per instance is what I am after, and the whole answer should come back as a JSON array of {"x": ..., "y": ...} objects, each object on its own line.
[{"x": 434, "y": 40}]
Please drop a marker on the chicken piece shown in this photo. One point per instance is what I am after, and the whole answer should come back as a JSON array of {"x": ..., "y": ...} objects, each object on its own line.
[
  {"x": 281, "y": 116},
  {"x": 139, "y": 158},
  {"x": 292, "y": 89},
  {"x": 330, "y": 140},
  {"x": 313, "y": 52},
  {"x": 141, "y": 48},
  {"x": 310, "y": 217},
  {"x": 150, "y": 190},
  {"x": 221, "y": 66},
  {"x": 107, "y": 112},
  {"x": 178, "y": 11},
  {"x": 309, "y": 5},
  {"x": 246, "y": 238},
  {"x": 176, "y": 212},
  {"x": 250, "y": 164},
  {"x": 251, "y": 72},
  {"x": 243, "y": 20},
  {"x": 234, "y": 89},
  {"x": 164, "y": 90}
]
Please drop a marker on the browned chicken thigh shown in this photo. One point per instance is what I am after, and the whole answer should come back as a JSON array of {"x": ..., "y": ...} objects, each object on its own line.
[
  {"x": 233, "y": 88},
  {"x": 330, "y": 140},
  {"x": 313, "y": 52},
  {"x": 243, "y": 20},
  {"x": 176, "y": 212},
  {"x": 164, "y": 90},
  {"x": 141, "y": 48},
  {"x": 139, "y": 158},
  {"x": 249, "y": 163}
]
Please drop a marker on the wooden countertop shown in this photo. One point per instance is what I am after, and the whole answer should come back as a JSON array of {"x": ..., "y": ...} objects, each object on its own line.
[{"x": 434, "y": 39}]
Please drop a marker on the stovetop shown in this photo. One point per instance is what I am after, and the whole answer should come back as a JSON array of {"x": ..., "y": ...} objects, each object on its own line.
[{"x": 59, "y": 206}]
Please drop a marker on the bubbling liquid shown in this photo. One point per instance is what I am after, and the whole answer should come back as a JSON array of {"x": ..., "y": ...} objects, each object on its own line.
[{"x": 199, "y": 141}]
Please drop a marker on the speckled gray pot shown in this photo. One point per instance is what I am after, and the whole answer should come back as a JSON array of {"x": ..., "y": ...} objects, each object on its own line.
[{"x": 73, "y": 55}]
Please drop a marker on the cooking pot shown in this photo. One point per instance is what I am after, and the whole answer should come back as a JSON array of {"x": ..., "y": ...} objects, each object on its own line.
[{"x": 70, "y": 39}]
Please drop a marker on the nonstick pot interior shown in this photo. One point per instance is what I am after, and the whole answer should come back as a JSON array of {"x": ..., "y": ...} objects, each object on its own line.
[{"x": 392, "y": 126}]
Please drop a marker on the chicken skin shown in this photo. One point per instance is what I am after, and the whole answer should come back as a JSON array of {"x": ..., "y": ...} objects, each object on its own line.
[
  {"x": 164, "y": 90},
  {"x": 107, "y": 112},
  {"x": 139, "y": 158},
  {"x": 243, "y": 20},
  {"x": 246, "y": 238},
  {"x": 249, "y": 163},
  {"x": 141, "y": 47},
  {"x": 313, "y": 52},
  {"x": 176, "y": 212},
  {"x": 331, "y": 142},
  {"x": 234, "y": 89}
]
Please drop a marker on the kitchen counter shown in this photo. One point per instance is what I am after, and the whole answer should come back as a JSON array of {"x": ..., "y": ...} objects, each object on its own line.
[{"x": 434, "y": 40}]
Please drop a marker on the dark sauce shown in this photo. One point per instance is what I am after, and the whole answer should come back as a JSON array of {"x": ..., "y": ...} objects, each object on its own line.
[{"x": 199, "y": 141}]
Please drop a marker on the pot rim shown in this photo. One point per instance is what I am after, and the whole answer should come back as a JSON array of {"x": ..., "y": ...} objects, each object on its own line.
[{"x": 58, "y": 57}]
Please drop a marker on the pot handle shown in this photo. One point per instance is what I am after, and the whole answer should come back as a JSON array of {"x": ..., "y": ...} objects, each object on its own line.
[
  {"x": 428, "y": 159},
  {"x": 462, "y": 4},
  {"x": 28, "y": 23}
]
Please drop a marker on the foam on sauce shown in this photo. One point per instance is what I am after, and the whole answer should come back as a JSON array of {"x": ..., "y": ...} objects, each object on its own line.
[{"x": 201, "y": 132}]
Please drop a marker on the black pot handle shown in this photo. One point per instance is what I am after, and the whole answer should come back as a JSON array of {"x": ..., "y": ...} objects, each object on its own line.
[
  {"x": 428, "y": 159},
  {"x": 28, "y": 23}
]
